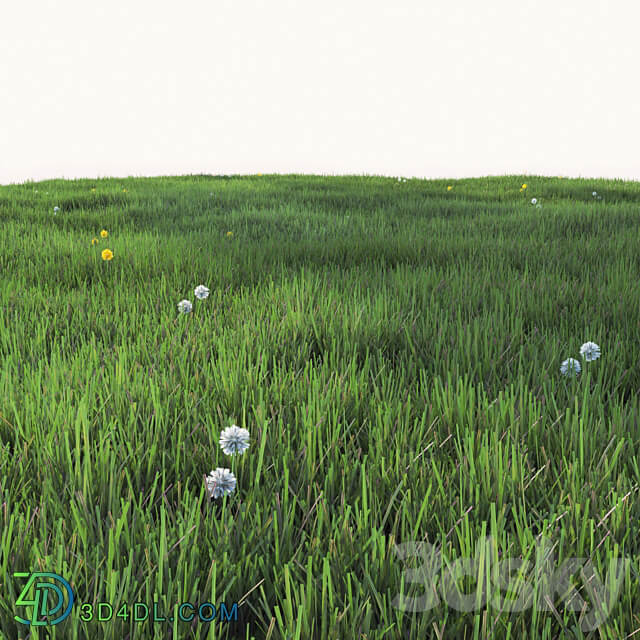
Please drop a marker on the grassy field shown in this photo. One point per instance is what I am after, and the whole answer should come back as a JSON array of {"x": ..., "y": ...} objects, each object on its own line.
[{"x": 393, "y": 348}]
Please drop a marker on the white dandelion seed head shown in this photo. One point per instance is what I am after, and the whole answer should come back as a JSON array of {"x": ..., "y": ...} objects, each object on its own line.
[
  {"x": 590, "y": 351},
  {"x": 570, "y": 367},
  {"x": 220, "y": 482},
  {"x": 533, "y": 201},
  {"x": 201, "y": 292},
  {"x": 594, "y": 194},
  {"x": 56, "y": 209},
  {"x": 234, "y": 440},
  {"x": 184, "y": 306}
]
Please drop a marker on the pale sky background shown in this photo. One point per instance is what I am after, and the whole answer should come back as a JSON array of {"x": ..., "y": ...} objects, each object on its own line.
[{"x": 431, "y": 88}]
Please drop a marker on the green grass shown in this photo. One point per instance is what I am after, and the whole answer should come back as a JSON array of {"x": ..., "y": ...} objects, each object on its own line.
[{"x": 394, "y": 350}]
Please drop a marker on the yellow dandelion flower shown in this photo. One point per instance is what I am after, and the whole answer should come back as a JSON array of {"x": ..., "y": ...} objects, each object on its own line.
[
  {"x": 524, "y": 186},
  {"x": 94, "y": 241},
  {"x": 449, "y": 188},
  {"x": 104, "y": 233},
  {"x": 259, "y": 174},
  {"x": 107, "y": 254},
  {"x": 93, "y": 189},
  {"x": 229, "y": 234},
  {"x": 125, "y": 190}
]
